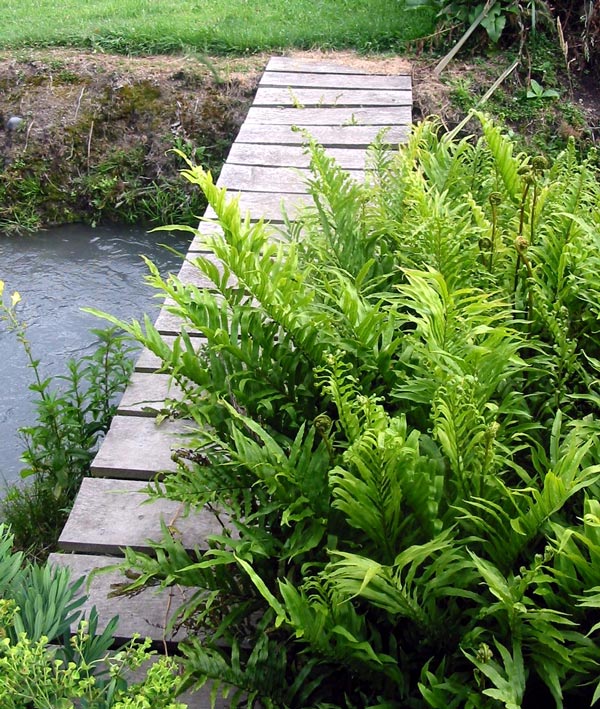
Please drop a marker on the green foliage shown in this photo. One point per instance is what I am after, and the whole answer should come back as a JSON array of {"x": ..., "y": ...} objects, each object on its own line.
[
  {"x": 227, "y": 26},
  {"x": 500, "y": 14},
  {"x": 74, "y": 412},
  {"x": 42, "y": 668},
  {"x": 396, "y": 408}
]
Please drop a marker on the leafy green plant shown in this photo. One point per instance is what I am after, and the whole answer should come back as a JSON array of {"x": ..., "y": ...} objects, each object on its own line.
[
  {"x": 74, "y": 411},
  {"x": 496, "y": 15},
  {"x": 41, "y": 667},
  {"x": 396, "y": 424},
  {"x": 536, "y": 90}
]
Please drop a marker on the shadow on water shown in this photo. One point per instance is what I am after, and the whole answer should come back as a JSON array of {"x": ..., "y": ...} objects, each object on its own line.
[{"x": 58, "y": 272}]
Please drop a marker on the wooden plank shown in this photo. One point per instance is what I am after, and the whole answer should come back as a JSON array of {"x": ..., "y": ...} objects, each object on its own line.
[
  {"x": 263, "y": 179},
  {"x": 149, "y": 362},
  {"x": 190, "y": 274},
  {"x": 147, "y": 393},
  {"x": 109, "y": 515},
  {"x": 251, "y": 178},
  {"x": 136, "y": 448},
  {"x": 304, "y": 65},
  {"x": 336, "y": 80},
  {"x": 204, "y": 227},
  {"x": 326, "y": 98},
  {"x": 268, "y": 206},
  {"x": 329, "y": 136},
  {"x": 291, "y": 156},
  {"x": 384, "y": 116},
  {"x": 145, "y": 614},
  {"x": 167, "y": 323}
]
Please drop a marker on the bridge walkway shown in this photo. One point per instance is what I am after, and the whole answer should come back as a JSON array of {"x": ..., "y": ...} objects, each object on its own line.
[{"x": 344, "y": 109}]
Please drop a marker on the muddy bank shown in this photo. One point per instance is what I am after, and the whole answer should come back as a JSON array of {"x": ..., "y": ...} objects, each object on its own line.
[{"x": 96, "y": 130}]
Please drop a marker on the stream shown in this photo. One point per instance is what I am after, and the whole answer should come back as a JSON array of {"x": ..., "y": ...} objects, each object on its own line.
[{"x": 58, "y": 272}]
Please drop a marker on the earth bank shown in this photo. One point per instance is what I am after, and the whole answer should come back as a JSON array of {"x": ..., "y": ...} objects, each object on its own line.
[{"x": 97, "y": 131}]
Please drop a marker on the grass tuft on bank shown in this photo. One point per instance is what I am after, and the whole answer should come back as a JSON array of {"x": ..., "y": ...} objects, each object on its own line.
[{"x": 226, "y": 26}]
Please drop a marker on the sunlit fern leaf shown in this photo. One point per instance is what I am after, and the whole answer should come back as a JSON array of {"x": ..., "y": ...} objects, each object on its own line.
[{"x": 505, "y": 164}]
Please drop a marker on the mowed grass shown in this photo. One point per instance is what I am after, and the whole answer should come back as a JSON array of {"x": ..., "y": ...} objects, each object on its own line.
[{"x": 218, "y": 26}]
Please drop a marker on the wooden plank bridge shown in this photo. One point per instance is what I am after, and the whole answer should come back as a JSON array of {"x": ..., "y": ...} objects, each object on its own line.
[{"x": 344, "y": 109}]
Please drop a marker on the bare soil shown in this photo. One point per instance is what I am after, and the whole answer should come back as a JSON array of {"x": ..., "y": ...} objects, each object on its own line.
[{"x": 97, "y": 129}]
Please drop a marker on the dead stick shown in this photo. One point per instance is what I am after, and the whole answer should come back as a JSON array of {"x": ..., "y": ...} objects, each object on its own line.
[
  {"x": 27, "y": 136},
  {"x": 78, "y": 103},
  {"x": 454, "y": 51},
  {"x": 89, "y": 144},
  {"x": 485, "y": 97}
]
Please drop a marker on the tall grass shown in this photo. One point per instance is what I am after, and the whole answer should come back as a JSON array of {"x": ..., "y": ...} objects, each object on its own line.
[{"x": 164, "y": 26}]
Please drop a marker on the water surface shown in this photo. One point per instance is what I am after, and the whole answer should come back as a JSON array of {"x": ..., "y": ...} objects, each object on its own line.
[{"x": 58, "y": 272}]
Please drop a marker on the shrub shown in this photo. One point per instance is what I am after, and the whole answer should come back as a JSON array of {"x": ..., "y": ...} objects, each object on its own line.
[
  {"x": 42, "y": 668},
  {"x": 396, "y": 422},
  {"x": 74, "y": 412}
]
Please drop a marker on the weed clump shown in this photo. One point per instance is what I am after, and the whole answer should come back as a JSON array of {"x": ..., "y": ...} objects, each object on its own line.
[
  {"x": 74, "y": 412},
  {"x": 397, "y": 425}
]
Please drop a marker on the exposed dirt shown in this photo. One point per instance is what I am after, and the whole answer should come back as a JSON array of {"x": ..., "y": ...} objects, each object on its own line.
[
  {"x": 55, "y": 89},
  {"x": 96, "y": 129},
  {"x": 96, "y": 132}
]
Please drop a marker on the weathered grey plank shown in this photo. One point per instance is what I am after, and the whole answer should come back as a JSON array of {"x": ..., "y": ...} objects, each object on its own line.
[
  {"x": 384, "y": 116},
  {"x": 293, "y": 64},
  {"x": 252, "y": 178},
  {"x": 146, "y": 394},
  {"x": 149, "y": 362},
  {"x": 145, "y": 614},
  {"x": 268, "y": 206},
  {"x": 137, "y": 449},
  {"x": 326, "y": 98},
  {"x": 190, "y": 274},
  {"x": 291, "y": 156},
  {"x": 330, "y": 136},
  {"x": 167, "y": 323},
  {"x": 204, "y": 227},
  {"x": 109, "y": 515},
  {"x": 335, "y": 80}
]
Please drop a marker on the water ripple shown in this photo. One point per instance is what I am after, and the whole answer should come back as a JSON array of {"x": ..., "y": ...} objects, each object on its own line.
[{"x": 57, "y": 272}]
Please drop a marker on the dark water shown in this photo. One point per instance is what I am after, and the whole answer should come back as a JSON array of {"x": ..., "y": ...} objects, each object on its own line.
[{"x": 57, "y": 272}]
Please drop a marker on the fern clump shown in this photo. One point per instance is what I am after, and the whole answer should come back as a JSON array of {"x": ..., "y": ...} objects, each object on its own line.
[{"x": 397, "y": 408}]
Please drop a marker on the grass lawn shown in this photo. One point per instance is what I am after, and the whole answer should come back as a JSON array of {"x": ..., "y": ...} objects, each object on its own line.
[{"x": 217, "y": 26}]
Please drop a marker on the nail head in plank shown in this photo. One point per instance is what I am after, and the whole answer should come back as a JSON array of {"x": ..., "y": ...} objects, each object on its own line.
[
  {"x": 137, "y": 448},
  {"x": 326, "y": 98},
  {"x": 384, "y": 116},
  {"x": 109, "y": 515},
  {"x": 144, "y": 614},
  {"x": 336, "y": 81}
]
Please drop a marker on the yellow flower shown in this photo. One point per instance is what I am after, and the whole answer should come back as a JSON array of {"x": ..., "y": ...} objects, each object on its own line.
[
  {"x": 1, "y": 288},
  {"x": 15, "y": 298}
]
